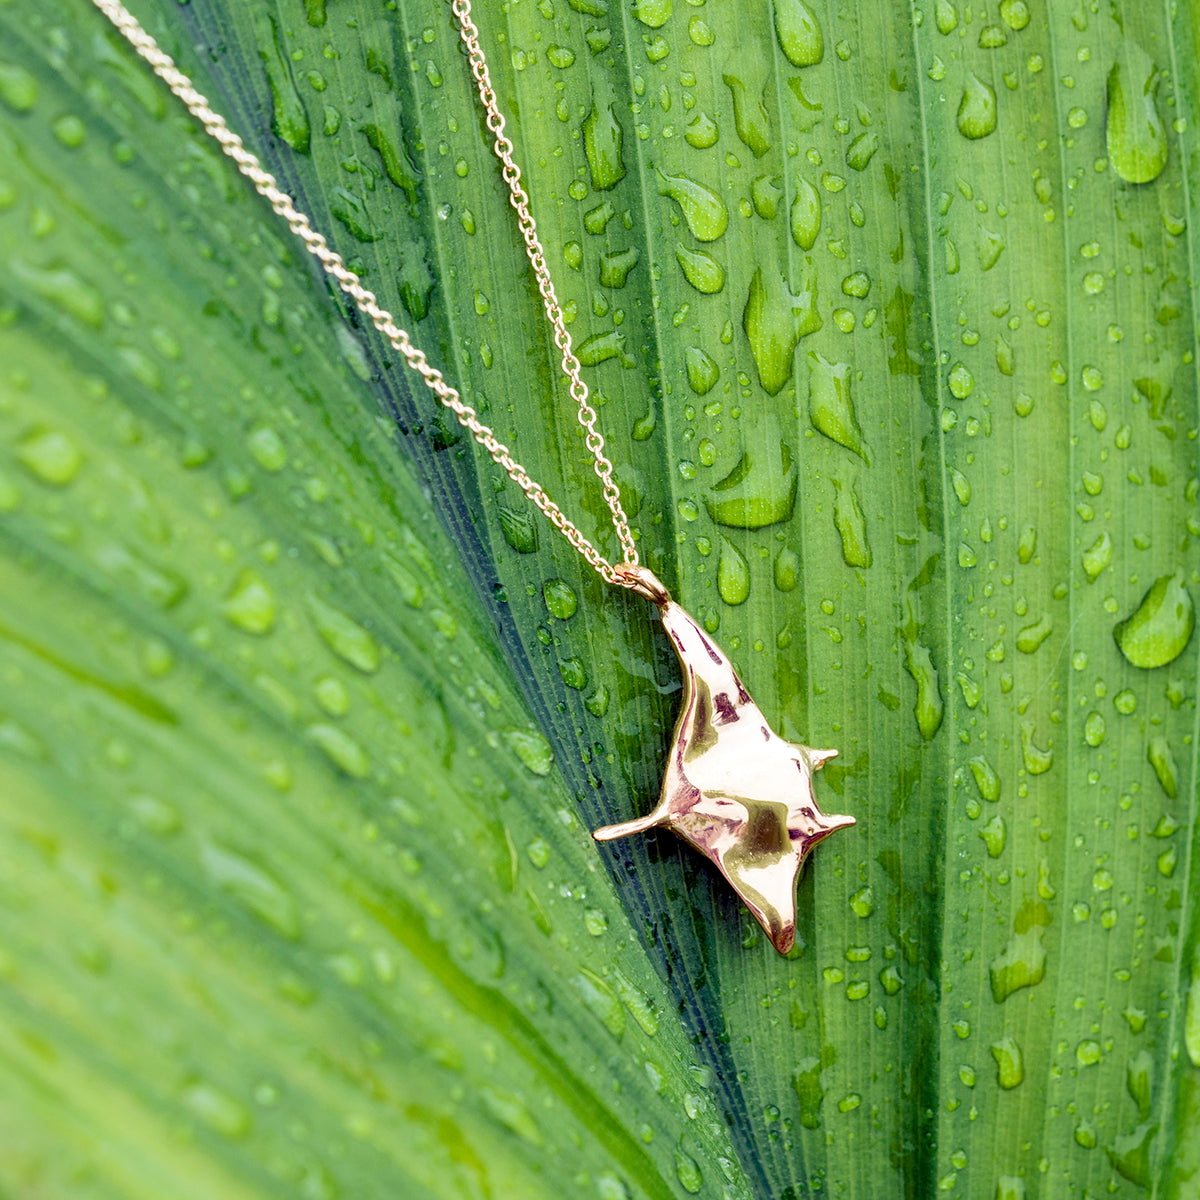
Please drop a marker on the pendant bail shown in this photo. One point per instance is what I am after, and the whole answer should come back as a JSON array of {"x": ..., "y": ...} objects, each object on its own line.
[{"x": 643, "y": 581}]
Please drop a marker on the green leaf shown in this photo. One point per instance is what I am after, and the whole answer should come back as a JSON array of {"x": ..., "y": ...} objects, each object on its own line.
[{"x": 305, "y": 723}]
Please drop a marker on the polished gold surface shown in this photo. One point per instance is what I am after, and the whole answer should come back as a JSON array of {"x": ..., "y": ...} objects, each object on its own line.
[{"x": 734, "y": 790}]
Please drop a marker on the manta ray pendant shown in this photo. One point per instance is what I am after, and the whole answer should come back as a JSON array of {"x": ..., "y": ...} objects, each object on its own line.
[{"x": 733, "y": 789}]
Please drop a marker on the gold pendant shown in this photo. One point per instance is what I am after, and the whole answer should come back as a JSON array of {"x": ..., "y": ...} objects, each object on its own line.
[{"x": 733, "y": 789}]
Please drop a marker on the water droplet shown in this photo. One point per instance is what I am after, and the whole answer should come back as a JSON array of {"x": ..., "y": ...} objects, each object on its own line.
[
  {"x": 217, "y": 1109},
  {"x": 1097, "y": 556},
  {"x": 560, "y": 598},
  {"x": 250, "y": 604},
  {"x": 344, "y": 636},
  {"x": 701, "y": 270},
  {"x": 1010, "y": 1065},
  {"x": 1130, "y": 1154},
  {"x": 700, "y": 32},
  {"x": 830, "y": 406},
  {"x": 1159, "y": 756},
  {"x": 252, "y": 885},
  {"x": 765, "y": 193},
  {"x": 341, "y": 749},
  {"x": 733, "y": 574},
  {"x": 601, "y": 1001},
  {"x": 1010, "y": 1187},
  {"x": 1032, "y": 636},
  {"x": 51, "y": 456},
  {"x": 615, "y": 266},
  {"x": 774, "y": 321},
  {"x": 986, "y": 779},
  {"x": 653, "y": 13},
  {"x": 69, "y": 130},
  {"x": 600, "y": 347},
  {"x": 806, "y": 1079},
  {"x": 989, "y": 247},
  {"x": 787, "y": 570},
  {"x": 702, "y": 371},
  {"x": 1021, "y": 964},
  {"x": 397, "y": 165},
  {"x": 799, "y": 33},
  {"x": 1134, "y": 134},
  {"x": 602, "y": 139},
  {"x": 863, "y": 902},
  {"x": 290, "y": 121},
  {"x": 1139, "y": 1077},
  {"x": 1037, "y": 761},
  {"x": 977, "y": 109},
  {"x": 702, "y": 132},
  {"x": 574, "y": 673},
  {"x": 64, "y": 289},
  {"x": 860, "y": 151},
  {"x": 18, "y": 88},
  {"x": 509, "y": 1111},
  {"x": 1191, "y": 1016},
  {"x": 703, "y": 210},
  {"x": 759, "y": 491},
  {"x": 994, "y": 834},
  {"x": 750, "y": 118},
  {"x": 805, "y": 214},
  {"x": 687, "y": 1171},
  {"x": 1014, "y": 13},
  {"x": 946, "y": 17},
  {"x": 1094, "y": 729},
  {"x": 928, "y": 710},
  {"x": 851, "y": 525},
  {"x": 532, "y": 749},
  {"x": 960, "y": 381},
  {"x": 1158, "y": 631}
]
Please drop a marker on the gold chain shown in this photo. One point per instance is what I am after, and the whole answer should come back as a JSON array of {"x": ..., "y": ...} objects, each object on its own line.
[{"x": 267, "y": 187}]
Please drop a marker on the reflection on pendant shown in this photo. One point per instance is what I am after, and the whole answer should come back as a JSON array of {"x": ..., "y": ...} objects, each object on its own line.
[{"x": 734, "y": 790}]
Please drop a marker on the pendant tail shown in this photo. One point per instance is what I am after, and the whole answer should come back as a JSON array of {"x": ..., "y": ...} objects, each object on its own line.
[{"x": 608, "y": 833}]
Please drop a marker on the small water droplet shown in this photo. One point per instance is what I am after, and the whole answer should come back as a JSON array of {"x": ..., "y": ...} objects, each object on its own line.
[
  {"x": 702, "y": 371},
  {"x": 18, "y": 88},
  {"x": 217, "y": 1109},
  {"x": 733, "y": 574},
  {"x": 805, "y": 214},
  {"x": 532, "y": 749},
  {"x": 253, "y": 885}
]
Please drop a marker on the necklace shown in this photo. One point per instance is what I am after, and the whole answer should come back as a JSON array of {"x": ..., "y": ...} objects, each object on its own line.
[{"x": 732, "y": 789}]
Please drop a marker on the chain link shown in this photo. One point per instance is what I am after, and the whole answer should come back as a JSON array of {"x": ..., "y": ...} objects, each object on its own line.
[{"x": 332, "y": 262}]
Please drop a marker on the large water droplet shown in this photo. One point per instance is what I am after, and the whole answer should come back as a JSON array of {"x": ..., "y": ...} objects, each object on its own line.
[
  {"x": 774, "y": 321},
  {"x": 1158, "y": 631},
  {"x": 397, "y": 165},
  {"x": 703, "y": 210},
  {"x": 750, "y": 117},
  {"x": 601, "y": 1001},
  {"x": 1037, "y": 761},
  {"x": 806, "y": 1079},
  {"x": 760, "y": 490},
  {"x": 1010, "y": 1064},
  {"x": 994, "y": 834},
  {"x": 509, "y": 1110},
  {"x": 1021, "y": 964},
  {"x": 341, "y": 749},
  {"x": 830, "y": 406},
  {"x": 1097, "y": 556},
  {"x": 799, "y": 33},
  {"x": 687, "y": 1171},
  {"x": 733, "y": 574},
  {"x": 290, "y": 121},
  {"x": 615, "y": 266},
  {"x": 986, "y": 779},
  {"x": 560, "y": 598},
  {"x": 851, "y": 525},
  {"x": 701, "y": 270},
  {"x": 18, "y": 88},
  {"x": 1130, "y": 1154},
  {"x": 602, "y": 138},
  {"x": 977, "y": 109},
  {"x": 929, "y": 709},
  {"x": 1134, "y": 133}
]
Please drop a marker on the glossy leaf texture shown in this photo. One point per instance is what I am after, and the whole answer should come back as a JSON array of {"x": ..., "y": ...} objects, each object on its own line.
[{"x": 889, "y": 316}]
